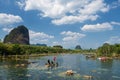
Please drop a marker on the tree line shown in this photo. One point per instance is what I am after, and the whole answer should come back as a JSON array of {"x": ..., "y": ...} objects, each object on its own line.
[
  {"x": 109, "y": 50},
  {"x": 18, "y": 49}
]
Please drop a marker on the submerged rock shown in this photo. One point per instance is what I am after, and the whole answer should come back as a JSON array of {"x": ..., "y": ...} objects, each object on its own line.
[
  {"x": 74, "y": 77},
  {"x": 69, "y": 72},
  {"x": 87, "y": 77}
]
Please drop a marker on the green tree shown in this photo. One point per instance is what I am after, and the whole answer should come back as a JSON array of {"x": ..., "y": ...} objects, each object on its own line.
[
  {"x": 58, "y": 46},
  {"x": 16, "y": 49},
  {"x": 117, "y": 48},
  {"x": 2, "y": 49},
  {"x": 105, "y": 50}
]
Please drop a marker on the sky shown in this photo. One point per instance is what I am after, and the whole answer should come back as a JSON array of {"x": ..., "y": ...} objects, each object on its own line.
[{"x": 88, "y": 23}]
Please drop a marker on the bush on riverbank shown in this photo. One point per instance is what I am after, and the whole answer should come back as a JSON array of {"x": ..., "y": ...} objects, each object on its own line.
[
  {"x": 109, "y": 50},
  {"x": 17, "y": 49}
]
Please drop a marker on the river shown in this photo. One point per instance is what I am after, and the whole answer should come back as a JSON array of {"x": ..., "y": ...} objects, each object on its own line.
[{"x": 34, "y": 68}]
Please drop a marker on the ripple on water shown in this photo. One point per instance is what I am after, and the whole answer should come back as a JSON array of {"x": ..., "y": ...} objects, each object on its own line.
[{"x": 118, "y": 77}]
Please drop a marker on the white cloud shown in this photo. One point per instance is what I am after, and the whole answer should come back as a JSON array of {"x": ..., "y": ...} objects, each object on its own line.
[
  {"x": 66, "y": 11},
  {"x": 7, "y": 19},
  {"x": 71, "y": 36},
  {"x": 115, "y": 23},
  {"x": 20, "y": 4},
  {"x": 57, "y": 43},
  {"x": 39, "y": 37},
  {"x": 66, "y": 44},
  {"x": 69, "y": 39},
  {"x": 97, "y": 27},
  {"x": 113, "y": 40},
  {"x": 94, "y": 6},
  {"x": 115, "y": 4},
  {"x": 7, "y": 29},
  {"x": 74, "y": 19}
]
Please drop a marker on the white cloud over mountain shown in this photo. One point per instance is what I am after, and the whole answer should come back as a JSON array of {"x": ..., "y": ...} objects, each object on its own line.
[
  {"x": 69, "y": 39},
  {"x": 71, "y": 36},
  {"x": 35, "y": 37},
  {"x": 113, "y": 40},
  {"x": 7, "y": 29},
  {"x": 39, "y": 37},
  {"x": 66, "y": 11},
  {"x": 8, "y": 19},
  {"x": 97, "y": 27}
]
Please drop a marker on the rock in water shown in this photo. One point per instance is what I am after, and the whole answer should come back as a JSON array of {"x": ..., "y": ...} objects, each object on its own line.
[{"x": 19, "y": 35}]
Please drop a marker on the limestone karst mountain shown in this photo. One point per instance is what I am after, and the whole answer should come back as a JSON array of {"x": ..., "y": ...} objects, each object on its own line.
[{"x": 19, "y": 35}]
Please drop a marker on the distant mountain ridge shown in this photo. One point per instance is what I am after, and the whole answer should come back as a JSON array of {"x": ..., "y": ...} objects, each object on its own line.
[{"x": 19, "y": 35}]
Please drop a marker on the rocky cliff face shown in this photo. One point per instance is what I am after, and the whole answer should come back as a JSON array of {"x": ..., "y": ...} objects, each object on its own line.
[{"x": 19, "y": 35}]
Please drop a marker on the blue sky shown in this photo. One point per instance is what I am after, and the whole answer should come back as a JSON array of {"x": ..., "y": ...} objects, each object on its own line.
[{"x": 89, "y": 23}]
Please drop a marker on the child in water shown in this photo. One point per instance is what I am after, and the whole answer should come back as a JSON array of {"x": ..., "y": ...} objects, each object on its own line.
[
  {"x": 51, "y": 64},
  {"x": 54, "y": 58}
]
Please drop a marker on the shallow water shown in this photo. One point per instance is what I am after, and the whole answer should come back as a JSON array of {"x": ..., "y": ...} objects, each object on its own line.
[{"x": 34, "y": 69}]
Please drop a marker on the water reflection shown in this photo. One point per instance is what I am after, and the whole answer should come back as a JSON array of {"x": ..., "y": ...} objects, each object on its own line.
[
  {"x": 104, "y": 70},
  {"x": 12, "y": 70},
  {"x": 34, "y": 69}
]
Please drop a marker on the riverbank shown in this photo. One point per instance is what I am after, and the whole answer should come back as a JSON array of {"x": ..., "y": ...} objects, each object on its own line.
[
  {"x": 22, "y": 57},
  {"x": 27, "y": 56},
  {"x": 34, "y": 68}
]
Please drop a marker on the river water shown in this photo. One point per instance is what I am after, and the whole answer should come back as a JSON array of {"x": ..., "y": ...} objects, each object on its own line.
[{"x": 34, "y": 68}]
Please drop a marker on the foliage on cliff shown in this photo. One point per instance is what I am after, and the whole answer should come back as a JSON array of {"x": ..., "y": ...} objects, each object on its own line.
[{"x": 19, "y": 35}]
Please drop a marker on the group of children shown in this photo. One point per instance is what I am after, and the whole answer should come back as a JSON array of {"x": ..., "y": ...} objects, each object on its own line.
[{"x": 51, "y": 64}]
